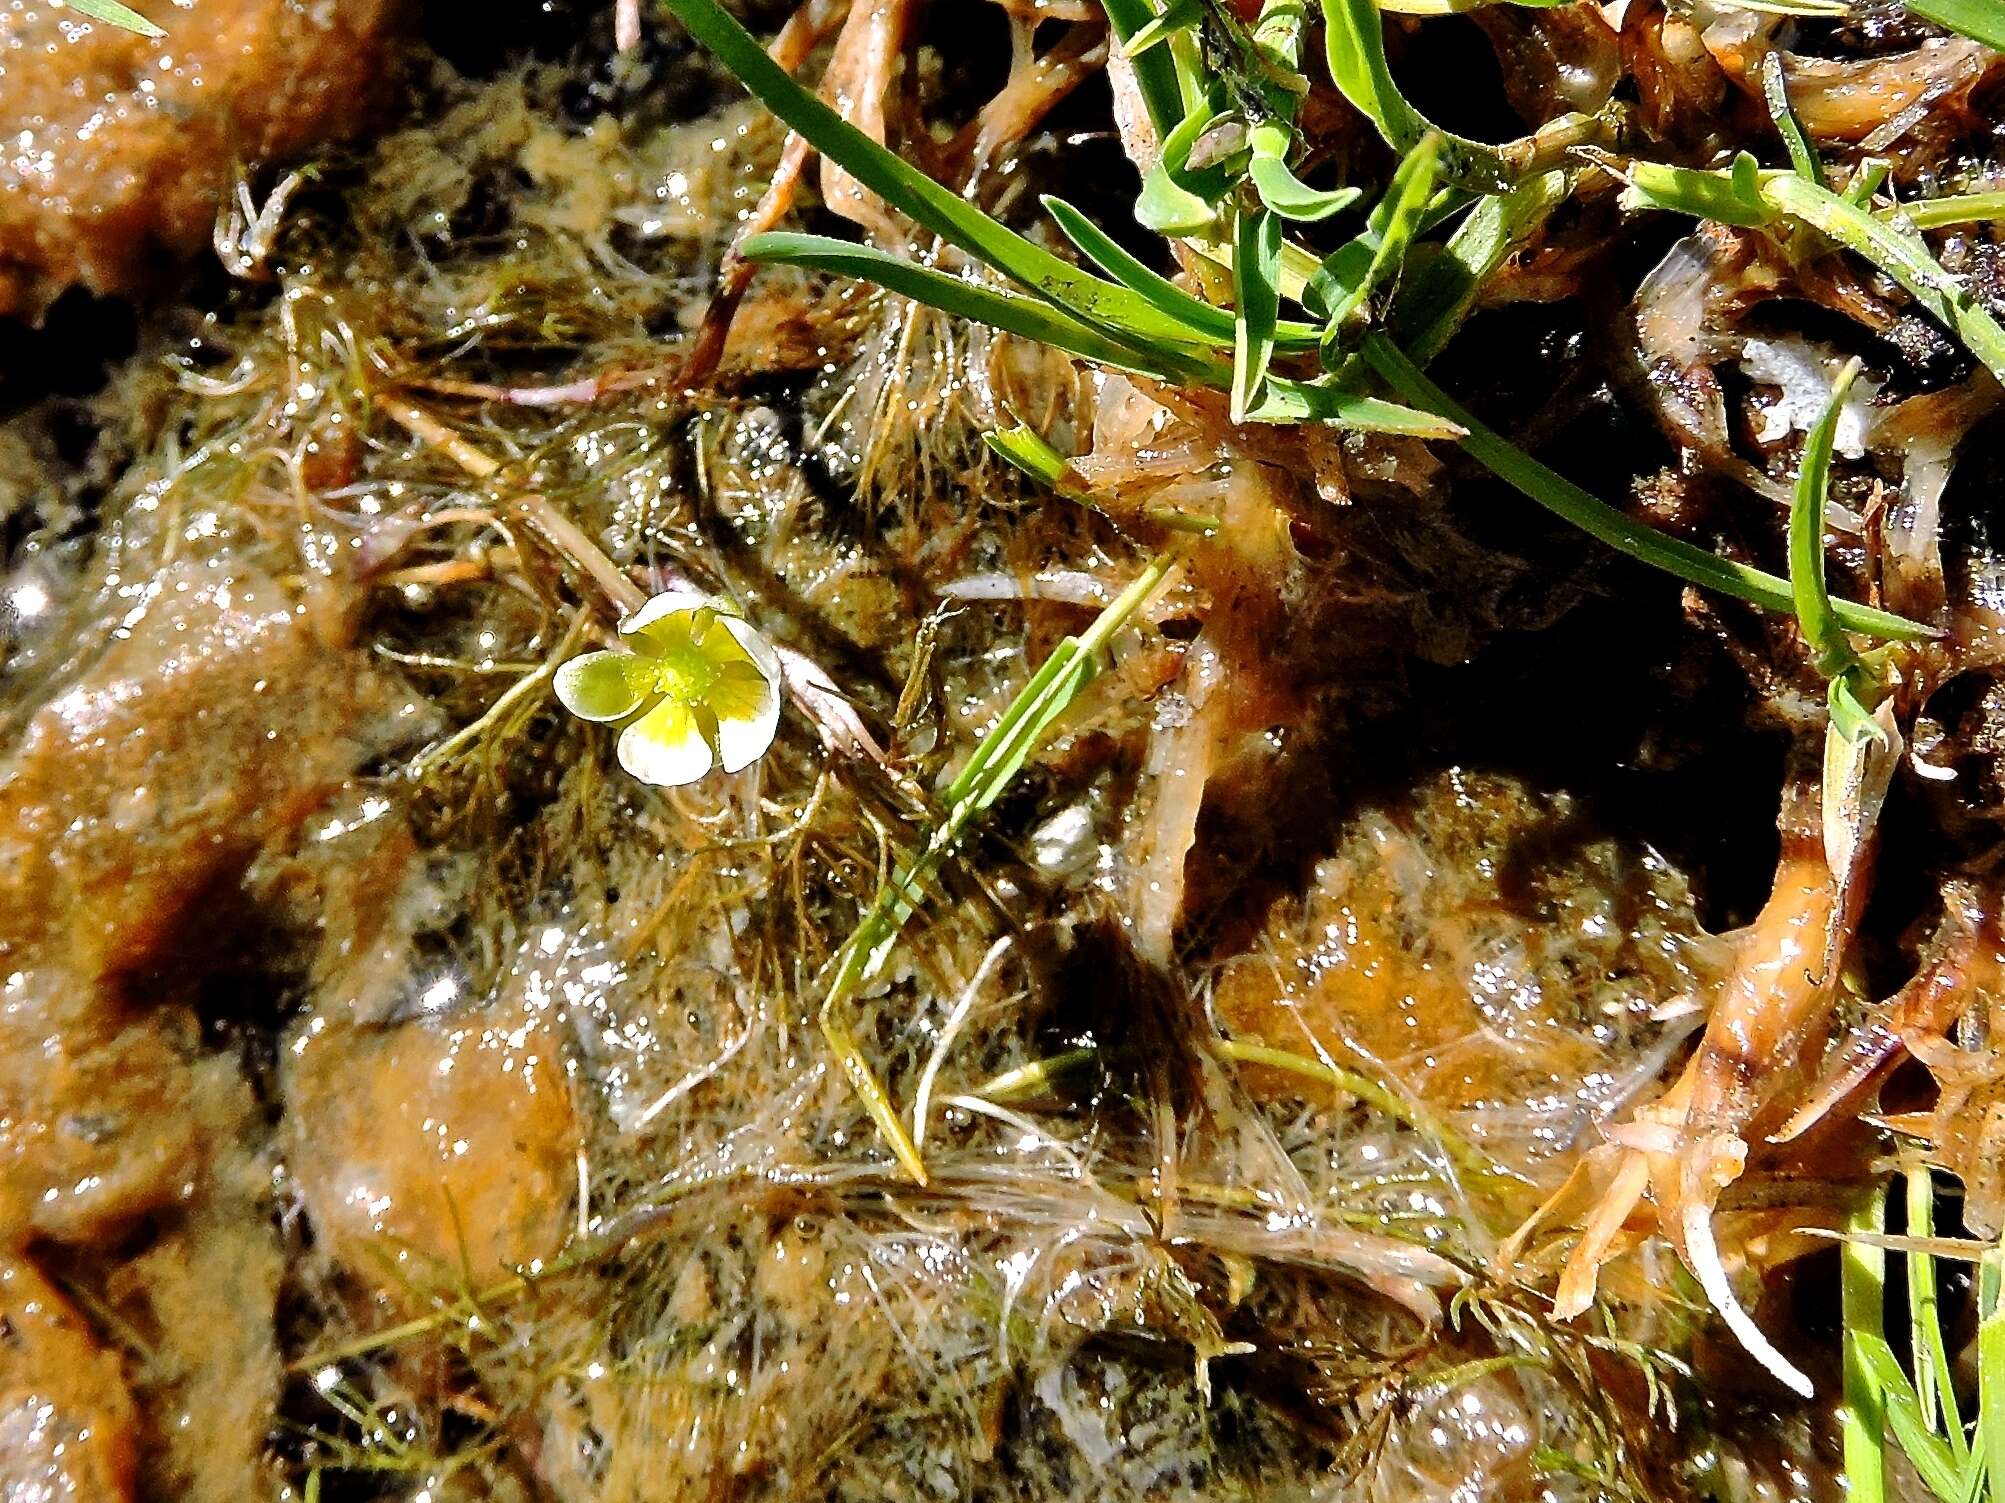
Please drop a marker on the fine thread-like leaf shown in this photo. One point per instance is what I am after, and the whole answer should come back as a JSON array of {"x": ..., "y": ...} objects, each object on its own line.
[
  {"x": 1600, "y": 520},
  {"x": 994, "y": 764}
]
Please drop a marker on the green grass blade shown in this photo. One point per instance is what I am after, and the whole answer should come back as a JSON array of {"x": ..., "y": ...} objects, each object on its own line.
[
  {"x": 1900, "y": 256},
  {"x": 1396, "y": 220},
  {"x": 1732, "y": 197},
  {"x": 1950, "y": 209},
  {"x": 1862, "y": 1296},
  {"x": 1286, "y": 400},
  {"x": 1866, "y": 180},
  {"x": 114, "y": 14},
  {"x": 1354, "y": 40},
  {"x": 1331, "y": 401},
  {"x": 902, "y": 186},
  {"x": 1256, "y": 275},
  {"x": 1991, "y": 1372},
  {"x": 1935, "y": 1387},
  {"x": 1980, "y": 20},
  {"x": 1154, "y": 75},
  {"x": 1178, "y": 15},
  {"x": 1600, "y": 520},
  {"x": 1432, "y": 304},
  {"x": 1746, "y": 196},
  {"x": 988, "y": 305},
  {"x": 996, "y": 760},
  {"x": 1201, "y": 317},
  {"x": 1279, "y": 189},
  {"x": 1775, "y": 91},
  {"x": 1806, "y": 534}
]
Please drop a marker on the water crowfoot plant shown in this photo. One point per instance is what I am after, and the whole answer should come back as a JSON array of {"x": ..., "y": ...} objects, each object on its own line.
[{"x": 692, "y": 684}]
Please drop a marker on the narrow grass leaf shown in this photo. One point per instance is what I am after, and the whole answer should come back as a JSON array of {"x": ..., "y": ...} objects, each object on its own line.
[
  {"x": 995, "y": 762},
  {"x": 1991, "y": 1372},
  {"x": 1277, "y": 186},
  {"x": 1600, "y": 520},
  {"x": 1900, "y": 256},
  {"x": 1806, "y": 535},
  {"x": 114, "y": 14},
  {"x": 936, "y": 208},
  {"x": 1202, "y": 318},
  {"x": 1950, "y": 209},
  {"x": 1980, "y": 20},
  {"x": 996, "y": 307},
  {"x": 1178, "y": 15},
  {"x": 1354, "y": 40},
  {"x": 1155, "y": 78},
  {"x": 1256, "y": 275},
  {"x": 1396, "y": 221},
  {"x": 1286, "y": 400},
  {"x": 1935, "y": 1388},
  {"x": 1433, "y": 302},
  {"x": 1862, "y": 1302},
  {"x": 1775, "y": 91}
]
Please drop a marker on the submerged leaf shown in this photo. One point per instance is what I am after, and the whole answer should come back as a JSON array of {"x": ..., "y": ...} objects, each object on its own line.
[{"x": 114, "y": 14}]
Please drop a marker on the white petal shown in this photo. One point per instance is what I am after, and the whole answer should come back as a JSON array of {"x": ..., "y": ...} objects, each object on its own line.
[
  {"x": 664, "y": 747},
  {"x": 756, "y": 646},
  {"x": 743, "y": 739},
  {"x": 600, "y": 685},
  {"x": 667, "y": 603}
]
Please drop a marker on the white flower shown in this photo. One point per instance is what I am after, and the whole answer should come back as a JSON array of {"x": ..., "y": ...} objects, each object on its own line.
[{"x": 695, "y": 684}]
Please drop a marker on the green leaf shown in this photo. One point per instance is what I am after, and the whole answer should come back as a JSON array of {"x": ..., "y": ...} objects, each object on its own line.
[
  {"x": 1256, "y": 273},
  {"x": 993, "y": 306},
  {"x": 1747, "y": 196},
  {"x": 1286, "y": 400},
  {"x": 1812, "y": 599},
  {"x": 1354, "y": 39},
  {"x": 1433, "y": 302},
  {"x": 1728, "y": 198},
  {"x": 1600, "y": 520},
  {"x": 1775, "y": 91},
  {"x": 938, "y": 209},
  {"x": 1935, "y": 1385},
  {"x": 114, "y": 14},
  {"x": 1024, "y": 448},
  {"x": 1173, "y": 202},
  {"x": 1862, "y": 1298},
  {"x": 1201, "y": 317},
  {"x": 1280, "y": 190},
  {"x": 1980, "y": 20},
  {"x": 1900, "y": 256},
  {"x": 1178, "y": 15},
  {"x": 1154, "y": 76},
  {"x": 1951, "y": 208},
  {"x": 1991, "y": 1372},
  {"x": 1395, "y": 221}
]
